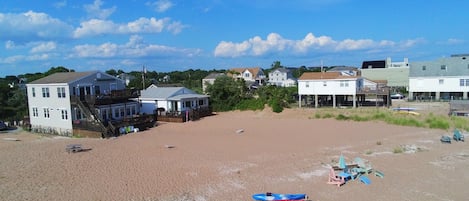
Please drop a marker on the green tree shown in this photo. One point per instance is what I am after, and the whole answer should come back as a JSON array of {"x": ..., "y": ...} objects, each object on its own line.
[{"x": 226, "y": 93}]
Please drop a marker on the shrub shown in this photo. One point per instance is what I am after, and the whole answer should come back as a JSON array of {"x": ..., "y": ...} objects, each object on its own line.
[
  {"x": 342, "y": 117},
  {"x": 317, "y": 116},
  {"x": 250, "y": 104},
  {"x": 276, "y": 107},
  {"x": 327, "y": 115},
  {"x": 398, "y": 150}
]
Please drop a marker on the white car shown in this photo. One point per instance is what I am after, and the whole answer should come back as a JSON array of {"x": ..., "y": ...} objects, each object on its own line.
[{"x": 397, "y": 96}]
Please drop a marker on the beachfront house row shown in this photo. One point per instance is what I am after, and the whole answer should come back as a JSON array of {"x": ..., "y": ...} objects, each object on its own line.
[
  {"x": 172, "y": 101},
  {"x": 442, "y": 79},
  {"x": 336, "y": 89},
  {"x": 282, "y": 77},
  {"x": 93, "y": 104}
]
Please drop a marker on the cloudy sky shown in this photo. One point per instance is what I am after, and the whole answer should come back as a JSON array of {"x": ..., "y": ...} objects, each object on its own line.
[{"x": 168, "y": 35}]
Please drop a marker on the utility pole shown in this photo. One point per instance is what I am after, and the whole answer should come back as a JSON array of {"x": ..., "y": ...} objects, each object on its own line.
[{"x": 143, "y": 77}]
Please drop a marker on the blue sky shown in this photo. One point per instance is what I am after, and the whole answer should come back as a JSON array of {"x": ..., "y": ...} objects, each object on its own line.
[{"x": 168, "y": 35}]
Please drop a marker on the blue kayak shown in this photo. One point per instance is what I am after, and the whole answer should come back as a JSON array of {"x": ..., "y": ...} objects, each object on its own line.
[{"x": 276, "y": 196}]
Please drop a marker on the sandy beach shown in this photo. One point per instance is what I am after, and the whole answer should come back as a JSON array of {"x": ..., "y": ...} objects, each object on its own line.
[{"x": 232, "y": 155}]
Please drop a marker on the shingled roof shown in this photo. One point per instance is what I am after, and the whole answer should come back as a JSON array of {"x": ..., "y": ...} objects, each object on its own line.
[
  {"x": 65, "y": 77},
  {"x": 254, "y": 71},
  {"x": 323, "y": 76}
]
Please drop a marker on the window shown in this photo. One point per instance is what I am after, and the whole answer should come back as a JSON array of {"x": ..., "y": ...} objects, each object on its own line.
[
  {"x": 61, "y": 92},
  {"x": 128, "y": 111},
  {"x": 116, "y": 112},
  {"x": 424, "y": 67},
  {"x": 441, "y": 81},
  {"x": 443, "y": 67},
  {"x": 343, "y": 83},
  {"x": 188, "y": 104},
  {"x": 134, "y": 111},
  {"x": 34, "y": 91},
  {"x": 46, "y": 113},
  {"x": 464, "y": 82},
  {"x": 35, "y": 112},
  {"x": 246, "y": 75},
  {"x": 45, "y": 92},
  {"x": 122, "y": 111},
  {"x": 324, "y": 84},
  {"x": 64, "y": 114},
  {"x": 307, "y": 84},
  {"x": 201, "y": 102}
]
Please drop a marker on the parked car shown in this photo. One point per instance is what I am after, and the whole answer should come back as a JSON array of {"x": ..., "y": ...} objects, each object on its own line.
[
  {"x": 3, "y": 126},
  {"x": 397, "y": 96}
]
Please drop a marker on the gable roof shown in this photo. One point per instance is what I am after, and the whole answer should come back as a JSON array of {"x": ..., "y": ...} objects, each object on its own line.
[
  {"x": 323, "y": 76},
  {"x": 254, "y": 71},
  {"x": 342, "y": 68},
  {"x": 169, "y": 93},
  {"x": 282, "y": 70},
  {"x": 214, "y": 75},
  {"x": 65, "y": 77}
]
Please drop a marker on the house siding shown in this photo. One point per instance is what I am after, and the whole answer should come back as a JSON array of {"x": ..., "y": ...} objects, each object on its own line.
[
  {"x": 54, "y": 104},
  {"x": 439, "y": 79},
  {"x": 333, "y": 87}
]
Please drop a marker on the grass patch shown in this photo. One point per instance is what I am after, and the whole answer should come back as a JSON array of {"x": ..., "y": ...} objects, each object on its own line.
[
  {"x": 369, "y": 152},
  {"x": 379, "y": 143},
  {"x": 398, "y": 150},
  {"x": 386, "y": 115}
]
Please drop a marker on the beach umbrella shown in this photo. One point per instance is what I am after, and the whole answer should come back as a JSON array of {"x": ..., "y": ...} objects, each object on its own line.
[{"x": 342, "y": 162}]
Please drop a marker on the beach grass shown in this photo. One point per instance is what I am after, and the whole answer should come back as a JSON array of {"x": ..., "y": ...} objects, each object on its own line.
[{"x": 429, "y": 120}]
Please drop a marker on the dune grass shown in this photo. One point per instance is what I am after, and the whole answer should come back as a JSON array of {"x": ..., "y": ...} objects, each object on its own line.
[{"x": 429, "y": 120}]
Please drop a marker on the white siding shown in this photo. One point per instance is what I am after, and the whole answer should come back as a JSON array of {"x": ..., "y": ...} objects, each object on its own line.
[
  {"x": 54, "y": 104},
  {"x": 327, "y": 87},
  {"x": 432, "y": 84}
]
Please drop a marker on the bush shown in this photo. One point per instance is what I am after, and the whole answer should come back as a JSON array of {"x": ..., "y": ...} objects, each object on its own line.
[
  {"x": 276, "y": 107},
  {"x": 250, "y": 104},
  {"x": 342, "y": 117}
]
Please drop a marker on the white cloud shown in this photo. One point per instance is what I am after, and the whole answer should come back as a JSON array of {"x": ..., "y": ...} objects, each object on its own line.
[
  {"x": 12, "y": 59},
  {"x": 141, "y": 25},
  {"x": 44, "y": 47},
  {"x": 161, "y": 5},
  {"x": 31, "y": 26},
  {"x": 95, "y": 11},
  {"x": 9, "y": 44},
  {"x": 134, "y": 48},
  {"x": 175, "y": 27},
  {"x": 60, "y": 4},
  {"x": 96, "y": 51},
  {"x": 274, "y": 43}
]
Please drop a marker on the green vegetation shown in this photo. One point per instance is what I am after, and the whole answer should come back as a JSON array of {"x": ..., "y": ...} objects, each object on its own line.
[
  {"x": 391, "y": 117},
  {"x": 398, "y": 150}
]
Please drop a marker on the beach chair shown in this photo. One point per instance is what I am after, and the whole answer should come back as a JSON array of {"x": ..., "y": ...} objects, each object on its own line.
[
  {"x": 335, "y": 179},
  {"x": 363, "y": 167},
  {"x": 457, "y": 136},
  {"x": 445, "y": 139}
]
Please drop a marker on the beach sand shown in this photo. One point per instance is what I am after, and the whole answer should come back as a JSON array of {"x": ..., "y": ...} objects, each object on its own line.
[{"x": 232, "y": 155}]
